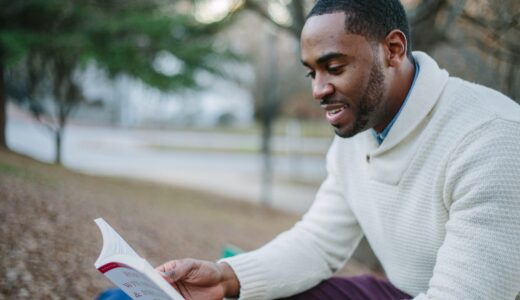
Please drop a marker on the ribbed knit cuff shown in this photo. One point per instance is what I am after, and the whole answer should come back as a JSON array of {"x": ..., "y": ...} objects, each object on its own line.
[
  {"x": 251, "y": 276},
  {"x": 421, "y": 297}
]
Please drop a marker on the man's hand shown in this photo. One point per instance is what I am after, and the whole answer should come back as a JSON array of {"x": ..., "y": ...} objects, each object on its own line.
[{"x": 198, "y": 279}]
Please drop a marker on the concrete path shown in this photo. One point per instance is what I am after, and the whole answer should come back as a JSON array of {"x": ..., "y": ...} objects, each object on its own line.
[{"x": 152, "y": 155}]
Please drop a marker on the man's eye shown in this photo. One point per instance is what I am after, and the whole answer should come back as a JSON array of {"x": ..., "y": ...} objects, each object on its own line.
[
  {"x": 310, "y": 74},
  {"x": 334, "y": 69}
]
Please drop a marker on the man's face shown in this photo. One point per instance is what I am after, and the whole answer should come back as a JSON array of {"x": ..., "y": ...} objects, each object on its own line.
[{"x": 346, "y": 72}]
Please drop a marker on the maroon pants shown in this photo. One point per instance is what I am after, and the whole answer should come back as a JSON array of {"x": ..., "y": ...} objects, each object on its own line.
[{"x": 363, "y": 287}]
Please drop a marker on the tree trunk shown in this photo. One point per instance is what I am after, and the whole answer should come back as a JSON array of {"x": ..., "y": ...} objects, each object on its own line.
[
  {"x": 267, "y": 172},
  {"x": 63, "y": 114},
  {"x": 57, "y": 141},
  {"x": 510, "y": 77},
  {"x": 3, "y": 105},
  {"x": 268, "y": 117},
  {"x": 298, "y": 17}
]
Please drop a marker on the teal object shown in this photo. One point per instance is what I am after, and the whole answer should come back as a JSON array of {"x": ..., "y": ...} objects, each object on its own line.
[{"x": 230, "y": 250}]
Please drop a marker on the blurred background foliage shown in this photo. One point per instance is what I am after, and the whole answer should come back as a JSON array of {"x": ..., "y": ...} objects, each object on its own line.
[{"x": 43, "y": 44}]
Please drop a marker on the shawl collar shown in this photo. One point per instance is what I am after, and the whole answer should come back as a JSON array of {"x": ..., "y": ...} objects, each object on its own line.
[
  {"x": 390, "y": 160},
  {"x": 428, "y": 87}
]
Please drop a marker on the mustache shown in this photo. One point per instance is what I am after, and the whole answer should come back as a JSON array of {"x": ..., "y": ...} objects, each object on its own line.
[{"x": 329, "y": 101}]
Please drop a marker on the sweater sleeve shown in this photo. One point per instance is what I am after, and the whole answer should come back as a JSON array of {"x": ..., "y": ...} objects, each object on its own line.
[
  {"x": 308, "y": 253},
  {"x": 480, "y": 256}
]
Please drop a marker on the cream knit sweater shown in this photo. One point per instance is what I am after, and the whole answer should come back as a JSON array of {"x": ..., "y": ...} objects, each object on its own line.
[{"x": 438, "y": 200}]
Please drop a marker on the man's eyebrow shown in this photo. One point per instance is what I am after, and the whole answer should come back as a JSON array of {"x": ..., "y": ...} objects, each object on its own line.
[
  {"x": 331, "y": 55},
  {"x": 326, "y": 57}
]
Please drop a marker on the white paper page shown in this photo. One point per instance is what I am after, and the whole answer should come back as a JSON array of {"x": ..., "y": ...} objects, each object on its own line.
[
  {"x": 127, "y": 270},
  {"x": 113, "y": 243},
  {"x": 137, "y": 285}
]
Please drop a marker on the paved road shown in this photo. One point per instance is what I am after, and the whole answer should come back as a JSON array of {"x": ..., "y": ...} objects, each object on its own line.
[{"x": 128, "y": 153}]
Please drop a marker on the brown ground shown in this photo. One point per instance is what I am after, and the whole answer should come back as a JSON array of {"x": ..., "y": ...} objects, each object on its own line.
[{"x": 49, "y": 242}]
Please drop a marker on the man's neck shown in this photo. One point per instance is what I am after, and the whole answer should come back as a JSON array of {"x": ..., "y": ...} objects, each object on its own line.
[{"x": 399, "y": 88}]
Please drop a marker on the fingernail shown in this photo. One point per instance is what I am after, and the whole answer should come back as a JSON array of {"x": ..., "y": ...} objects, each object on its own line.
[{"x": 169, "y": 274}]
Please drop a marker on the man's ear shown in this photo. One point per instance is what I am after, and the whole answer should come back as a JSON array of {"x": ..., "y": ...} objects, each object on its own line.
[{"x": 395, "y": 45}]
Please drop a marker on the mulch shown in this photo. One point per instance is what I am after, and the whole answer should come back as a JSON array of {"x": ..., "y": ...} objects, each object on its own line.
[{"x": 49, "y": 242}]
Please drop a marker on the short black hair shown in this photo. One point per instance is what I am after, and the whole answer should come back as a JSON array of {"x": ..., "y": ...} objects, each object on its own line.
[{"x": 373, "y": 19}]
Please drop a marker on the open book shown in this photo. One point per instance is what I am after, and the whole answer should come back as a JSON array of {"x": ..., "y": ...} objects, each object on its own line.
[{"x": 127, "y": 270}]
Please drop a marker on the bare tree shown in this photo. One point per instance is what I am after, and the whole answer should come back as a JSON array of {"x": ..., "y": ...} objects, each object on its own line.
[
  {"x": 3, "y": 100},
  {"x": 269, "y": 83},
  {"x": 489, "y": 28},
  {"x": 296, "y": 8}
]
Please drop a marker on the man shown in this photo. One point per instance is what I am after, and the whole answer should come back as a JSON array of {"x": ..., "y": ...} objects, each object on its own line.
[{"x": 426, "y": 166}]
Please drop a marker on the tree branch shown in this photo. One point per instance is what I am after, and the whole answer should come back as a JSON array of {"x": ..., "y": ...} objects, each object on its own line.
[
  {"x": 298, "y": 16},
  {"x": 484, "y": 24},
  {"x": 494, "y": 33},
  {"x": 262, "y": 12},
  {"x": 425, "y": 11},
  {"x": 454, "y": 12}
]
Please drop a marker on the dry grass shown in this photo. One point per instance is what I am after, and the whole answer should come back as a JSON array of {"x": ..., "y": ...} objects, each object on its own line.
[{"x": 48, "y": 241}]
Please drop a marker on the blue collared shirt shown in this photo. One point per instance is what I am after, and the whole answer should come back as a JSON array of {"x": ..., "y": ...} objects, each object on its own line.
[{"x": 380, "y": 136}]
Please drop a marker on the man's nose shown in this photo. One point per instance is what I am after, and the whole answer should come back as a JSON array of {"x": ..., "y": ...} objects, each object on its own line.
[{"x": 321, "y": 89}]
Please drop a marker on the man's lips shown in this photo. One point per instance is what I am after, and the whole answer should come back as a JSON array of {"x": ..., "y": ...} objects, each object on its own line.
[
  {"x": 335, "y": 112},
  {"x": 333, "y": 106}
]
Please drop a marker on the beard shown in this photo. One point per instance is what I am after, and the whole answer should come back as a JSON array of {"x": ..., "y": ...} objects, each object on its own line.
[{"x": 369, "y": 105}]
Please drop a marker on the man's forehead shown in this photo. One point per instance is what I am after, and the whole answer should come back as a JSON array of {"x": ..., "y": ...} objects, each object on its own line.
[
  {"x": 321, "y": 34},
  {"x": 333, "y": 23},
  {"x": 325, "y": 34}
]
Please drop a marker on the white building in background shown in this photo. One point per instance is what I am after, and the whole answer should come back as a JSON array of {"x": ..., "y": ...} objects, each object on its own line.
[{"x": 128, "y": 102}]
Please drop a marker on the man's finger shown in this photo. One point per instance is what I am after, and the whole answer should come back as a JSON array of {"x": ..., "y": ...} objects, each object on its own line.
[
  {"x": 176, "y": 286},
  {"x": 167, "y": 270},
  {"x": 176, "y": 269},
  {"x": 185, "y": 292}
]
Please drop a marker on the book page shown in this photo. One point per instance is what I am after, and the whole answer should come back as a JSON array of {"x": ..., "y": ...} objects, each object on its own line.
[
  {"x": 128, "y": 271},
  {"x": 113, "y": 243},
  {"x": 134, "y": 283}
]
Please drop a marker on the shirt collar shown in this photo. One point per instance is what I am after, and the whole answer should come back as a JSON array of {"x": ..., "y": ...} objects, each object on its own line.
[{"x": 380, "y": 136}]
